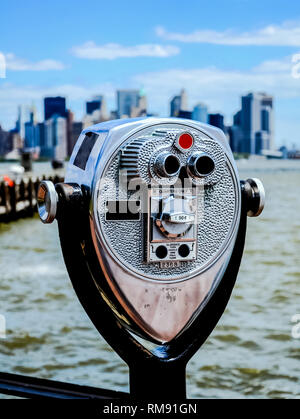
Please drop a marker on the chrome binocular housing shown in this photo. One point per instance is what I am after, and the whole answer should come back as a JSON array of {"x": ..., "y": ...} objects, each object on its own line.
[{"x": 155, "y": 207}]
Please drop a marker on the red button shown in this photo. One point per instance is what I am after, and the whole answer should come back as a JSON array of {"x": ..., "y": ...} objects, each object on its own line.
[{"x": 185, "y": 141}]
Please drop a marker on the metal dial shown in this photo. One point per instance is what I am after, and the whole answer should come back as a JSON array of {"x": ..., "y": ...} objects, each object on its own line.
[{"x": 176, "y": 218}]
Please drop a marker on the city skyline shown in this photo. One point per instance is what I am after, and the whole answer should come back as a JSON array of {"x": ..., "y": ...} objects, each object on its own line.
[
  {"x": 252, "y": 130},
  {"x": 250, "y": 46}
]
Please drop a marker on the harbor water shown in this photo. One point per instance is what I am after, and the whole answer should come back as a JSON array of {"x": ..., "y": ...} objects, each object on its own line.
[{"x": 251, "y": 353}]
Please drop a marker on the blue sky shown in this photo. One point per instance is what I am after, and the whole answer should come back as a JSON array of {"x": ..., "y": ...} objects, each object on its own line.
[{"x": 216, "y": 49}]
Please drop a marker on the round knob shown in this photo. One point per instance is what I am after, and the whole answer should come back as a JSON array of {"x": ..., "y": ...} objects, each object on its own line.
[
  {"x": 176, "y": 218},
  {"x": 47, "y": 201},
  {"x": 255, "y": 197}
]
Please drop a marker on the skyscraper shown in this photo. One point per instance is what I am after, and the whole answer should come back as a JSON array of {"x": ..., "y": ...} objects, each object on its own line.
[
  {"x": 97, "y": 108},
  {"x": 41, "y": 138},
  {"x": 23, "y": 117},
  {"x": 235, "y": 138},
  {"x": 200, "y": 113},
  {"x": 56, "y": 138},
  {"x": 31, "y": 138},
  {"x": 183, "y": 100},
  {"x": 175, "y": 106},
  {"x": 185, "y": 114},
  {"x": 141, "y": 109},
  {"x": 217, "y": 120},
  {"x": 179, "y": 103},
  {"x": 61, "y": 140},
  {"x": 252, "y": 129},
  {"x": 5, "y": 146},
  {"x": 92, "y": 106},
  {"x": 126, "y": 101},
  {"x": 257, "y": 122},
  {"x": 55, "y": 106}
]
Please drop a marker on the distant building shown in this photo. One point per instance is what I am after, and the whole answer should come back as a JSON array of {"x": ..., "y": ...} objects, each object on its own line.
[
  {"x": 179, "y": 103},
  {"x": 237, "y": 119},
  {"x": 61, "y": 143},
  {"x": 10, "y": 143},
  {"x": 217, "y": 120},
  {"x": 97, "y": 108},
  {"x": 257, "y": 122},
  {"x": 131, "y": 104},
  {"x": 55, "y": 106},
  {"x": 141, "y": 109},
  {"x": 175, "y": 106},
  {"x": 23, "y": 117},
  {"x": 48, "y": 149},
  {"x": 5, "y": 144},
  {"x": 184, "y": 114},
  {"x": 200, "y": 113},
  {"x": 262, "y": 141},
  {"x": 31, "y": 139},
  {"x": 252, "y": 130},
  {"x": 236, "y": 134},
  {"x": 56, "y": 146},
  {"x": 184, "y": 100},
  {"x": 294, "y": 154},
  {"x": 113, "y": 115},
  {"x": 92, "y": 106},
  {"x": 126, "y": 100},
  {"x": 40, "y": 128},
  {"x": 235, "y": 138}
]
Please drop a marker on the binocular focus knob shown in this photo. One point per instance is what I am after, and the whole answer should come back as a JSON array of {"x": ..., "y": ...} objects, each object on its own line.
[
  {"x": 47, "y": 200},
  {"x": 256, "y": 195},
  {"x": 56, "y": 200}
]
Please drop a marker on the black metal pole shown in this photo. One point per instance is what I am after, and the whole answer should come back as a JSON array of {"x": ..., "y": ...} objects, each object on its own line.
[{"x": 158, "y": 380}]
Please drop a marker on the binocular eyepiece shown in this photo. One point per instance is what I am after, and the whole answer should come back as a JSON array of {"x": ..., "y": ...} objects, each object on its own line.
[
  {"x": 167, "y": 165},
  {"x": 199, "y": 165},
  {"x": 151, "y": 217}
]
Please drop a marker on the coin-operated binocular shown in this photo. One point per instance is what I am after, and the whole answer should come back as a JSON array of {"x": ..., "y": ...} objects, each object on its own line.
[{"x": 152, "y": 223}]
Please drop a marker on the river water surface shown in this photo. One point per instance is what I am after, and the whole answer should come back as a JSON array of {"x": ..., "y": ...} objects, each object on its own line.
[{"x": 251, "y": 353}]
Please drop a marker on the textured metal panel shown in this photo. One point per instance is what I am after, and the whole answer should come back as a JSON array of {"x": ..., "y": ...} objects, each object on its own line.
[
  {"x": 216, "y": 225},
  {"x": 138, "y": 156}
]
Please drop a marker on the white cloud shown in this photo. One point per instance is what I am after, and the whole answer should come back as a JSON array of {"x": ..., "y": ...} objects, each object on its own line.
[
  {"x": 90, "y": 50},
  {"x": 275, "y": 66},
  {"x": 285, "y": 34},
  {"x": 19, "y": 64},
  {"x": 221, "y": 90}
]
